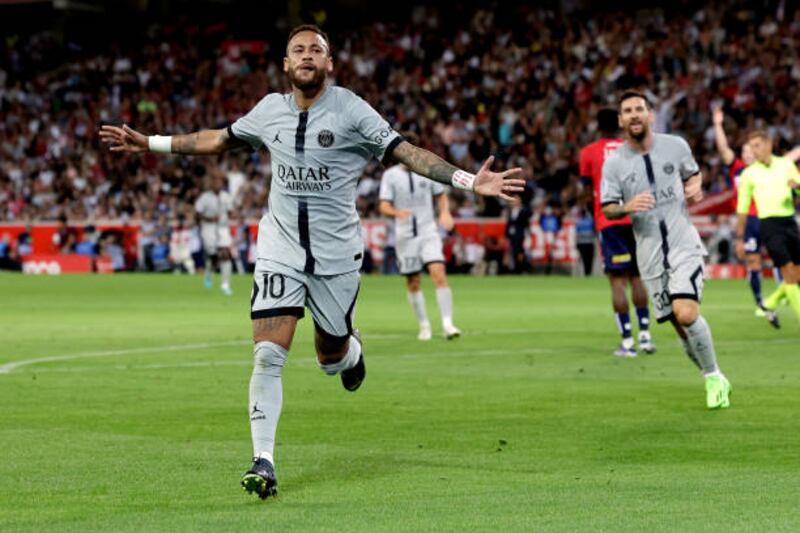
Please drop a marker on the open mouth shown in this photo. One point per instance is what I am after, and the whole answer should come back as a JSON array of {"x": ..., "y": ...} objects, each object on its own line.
[{"x": 306, "y": 68}]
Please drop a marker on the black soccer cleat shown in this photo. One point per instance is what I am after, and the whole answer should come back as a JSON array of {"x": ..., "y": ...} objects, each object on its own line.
[
  {"x": 260, "y": 479},
  {"x": 353, "y": 377},
  {"x": 772, "y": 316}
]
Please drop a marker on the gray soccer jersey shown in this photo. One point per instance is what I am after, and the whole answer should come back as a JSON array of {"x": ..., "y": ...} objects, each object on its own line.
[
  {"x": 317, "y": 157},
  {"x": 408, "y": 190},
  {"x": 664, "y": 235}
]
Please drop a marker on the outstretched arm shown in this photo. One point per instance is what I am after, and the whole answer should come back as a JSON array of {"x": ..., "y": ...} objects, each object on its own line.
[
  {"x": 203, "y": 142},
  {"x": 720, "y": 138},
  {"x": 485, "y": 182}
]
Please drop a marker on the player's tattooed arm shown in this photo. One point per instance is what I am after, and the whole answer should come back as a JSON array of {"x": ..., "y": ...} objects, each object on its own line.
[
  {"x": 203, "y": 142},
  {"x": 424, "y": 162},
  {"x": 485, "y": 182}
]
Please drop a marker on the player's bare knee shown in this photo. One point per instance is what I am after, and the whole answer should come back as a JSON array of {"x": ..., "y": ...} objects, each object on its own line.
[
  {"x": 413, "y": 282},
  {"x": 438, "y": 275},
  {"x": 277, "y": 329},
  {"x": 753, "y": 261},
  {"x": 686, "y": 311},
  {"x": 791, "y": 273}
]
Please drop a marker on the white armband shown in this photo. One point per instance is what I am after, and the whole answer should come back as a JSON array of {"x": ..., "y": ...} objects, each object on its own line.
[
  {"x": 463, "y": 180},
  {"x": 160, "y": 143}
]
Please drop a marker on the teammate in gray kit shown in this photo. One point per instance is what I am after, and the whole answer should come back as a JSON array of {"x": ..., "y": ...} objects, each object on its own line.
[
  {"x": 650, "y": 177},
  {"x": 320, "y": 138},
  {"x": 408, "y": 198}
]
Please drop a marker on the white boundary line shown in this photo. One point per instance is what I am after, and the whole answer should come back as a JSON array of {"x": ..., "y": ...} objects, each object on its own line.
[
  {"x": 13, "y": 365},
  {"x": 300, "y": 361},
  {"x": 8, "y": 368}
]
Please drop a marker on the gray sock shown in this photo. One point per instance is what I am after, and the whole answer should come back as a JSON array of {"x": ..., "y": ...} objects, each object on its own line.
[
  {"x": 444, "y": 297},
  {"x": 225, "y": 267},
  {"x": 702, "y": 345},
  {"x": 417, "y": 301},
  {"x": 266, "y": 397},
  {"x": 687, "y": 349}
]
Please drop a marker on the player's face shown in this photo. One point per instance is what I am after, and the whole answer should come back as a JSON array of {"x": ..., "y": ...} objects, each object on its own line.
[
  {"x": 762, "y": 148},
  {"x": 747, "y": 154},
  {"x": 307, "y": 62},
  {"x": 635, "y": 118}
]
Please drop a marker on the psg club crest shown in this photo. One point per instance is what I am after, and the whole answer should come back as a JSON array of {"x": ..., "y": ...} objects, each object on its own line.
[
  {"x": 669, "y": 168},
  {"x": 325, "y": 138}
]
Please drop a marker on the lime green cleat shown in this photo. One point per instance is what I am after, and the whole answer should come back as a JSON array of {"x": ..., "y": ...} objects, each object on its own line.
[{"x": 718, "y": 391}]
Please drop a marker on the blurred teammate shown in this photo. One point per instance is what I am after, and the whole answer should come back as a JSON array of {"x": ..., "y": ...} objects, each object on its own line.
[
  {"x": 213, "y": 208},
  {"x": 617, "y": 242},
  {"x": 408, "y": 198},
  {"x": 309, "y": 243},
  {"x": 771, "y": 181},
  {"x": 650, "y": 177},
  {"x": 180, "y": 247}
]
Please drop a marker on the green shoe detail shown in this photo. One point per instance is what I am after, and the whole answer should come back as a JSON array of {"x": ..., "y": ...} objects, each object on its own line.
[{"x": 718, "y": 391}]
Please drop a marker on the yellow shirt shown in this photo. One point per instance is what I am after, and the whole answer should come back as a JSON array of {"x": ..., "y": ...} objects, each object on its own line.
[{"x": 769, "y": 185}]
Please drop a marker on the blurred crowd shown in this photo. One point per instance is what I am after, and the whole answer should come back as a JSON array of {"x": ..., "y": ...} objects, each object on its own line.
[{"x": 523, "y": 83}]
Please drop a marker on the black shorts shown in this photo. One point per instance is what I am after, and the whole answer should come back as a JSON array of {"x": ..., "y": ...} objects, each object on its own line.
[
  {"x": 619, "y": 249},
  {"x": 782, "y": 238}
]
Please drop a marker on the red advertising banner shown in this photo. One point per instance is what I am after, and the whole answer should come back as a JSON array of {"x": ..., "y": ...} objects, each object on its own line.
[{"x": 56, "y": 264}]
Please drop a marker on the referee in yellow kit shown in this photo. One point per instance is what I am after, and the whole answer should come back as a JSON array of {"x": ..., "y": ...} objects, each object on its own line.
[{"x": 771, "y": 180}]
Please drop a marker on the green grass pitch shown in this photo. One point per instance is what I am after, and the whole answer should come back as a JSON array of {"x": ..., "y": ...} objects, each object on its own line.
[{"x": 127, "y": 411}]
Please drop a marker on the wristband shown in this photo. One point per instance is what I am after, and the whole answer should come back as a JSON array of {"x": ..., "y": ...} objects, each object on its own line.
[
  {"x": 160, "y": 143},
  {"x": 463, "y": 180}
]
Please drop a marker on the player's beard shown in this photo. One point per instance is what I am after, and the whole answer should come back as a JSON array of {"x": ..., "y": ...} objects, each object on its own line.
[
  {"x": 638, "y": 137},
  {"x": 316, "y": 81}
]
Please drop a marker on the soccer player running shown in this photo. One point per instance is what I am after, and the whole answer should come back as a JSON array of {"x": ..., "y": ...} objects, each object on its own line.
[
  {"x": 650, "y": 177},
  {"x": 213, "y": 208},
  {"x": 408, "y": 198},
  {"x": 771, "y": 180},
  {"x": 309, "y": 243},
  {"x": 617, "y": 242}
]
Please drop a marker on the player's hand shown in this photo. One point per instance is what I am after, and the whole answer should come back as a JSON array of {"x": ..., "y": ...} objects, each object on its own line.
[
  {"x": 693, "y": 189},
  {"x": 717, "y": 116},
  {"x": 740, "y": 248},
  {"x": 502, "y": 184},
  {"x": 446, "y": 221},
  {"x": 402, "y": 214},
  {"x": 794, "y": 184},
  {"x": 644, "y": 201},
  {"x": 123, "y": 139}
]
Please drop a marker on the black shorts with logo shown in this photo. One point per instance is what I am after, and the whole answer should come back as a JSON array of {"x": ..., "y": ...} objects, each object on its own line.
[{"x": 782, "y": 238}]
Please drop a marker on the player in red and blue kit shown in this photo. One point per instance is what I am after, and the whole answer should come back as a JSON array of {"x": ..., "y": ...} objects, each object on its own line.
[{"x": 617, "y": 242}]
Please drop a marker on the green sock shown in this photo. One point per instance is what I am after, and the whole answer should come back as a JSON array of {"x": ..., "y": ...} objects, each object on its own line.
[
  {"x": 793, "y": 294},
  {"x": 772, "y": 301}
]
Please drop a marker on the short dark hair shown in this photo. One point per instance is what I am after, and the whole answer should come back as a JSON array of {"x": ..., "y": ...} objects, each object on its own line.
[
  {"x": 634, "y": 94},
  {"x": 309, "y": 27},
  {"x": 607, "y": 120}
]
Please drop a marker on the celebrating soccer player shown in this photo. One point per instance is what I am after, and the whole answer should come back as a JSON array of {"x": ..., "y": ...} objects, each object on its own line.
[
  {"x": 771, "y": 181},
  {"x": 310, "y": 247},
  {"x": 617, "y": 242},
  {"x": 650, "y": 177}
]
